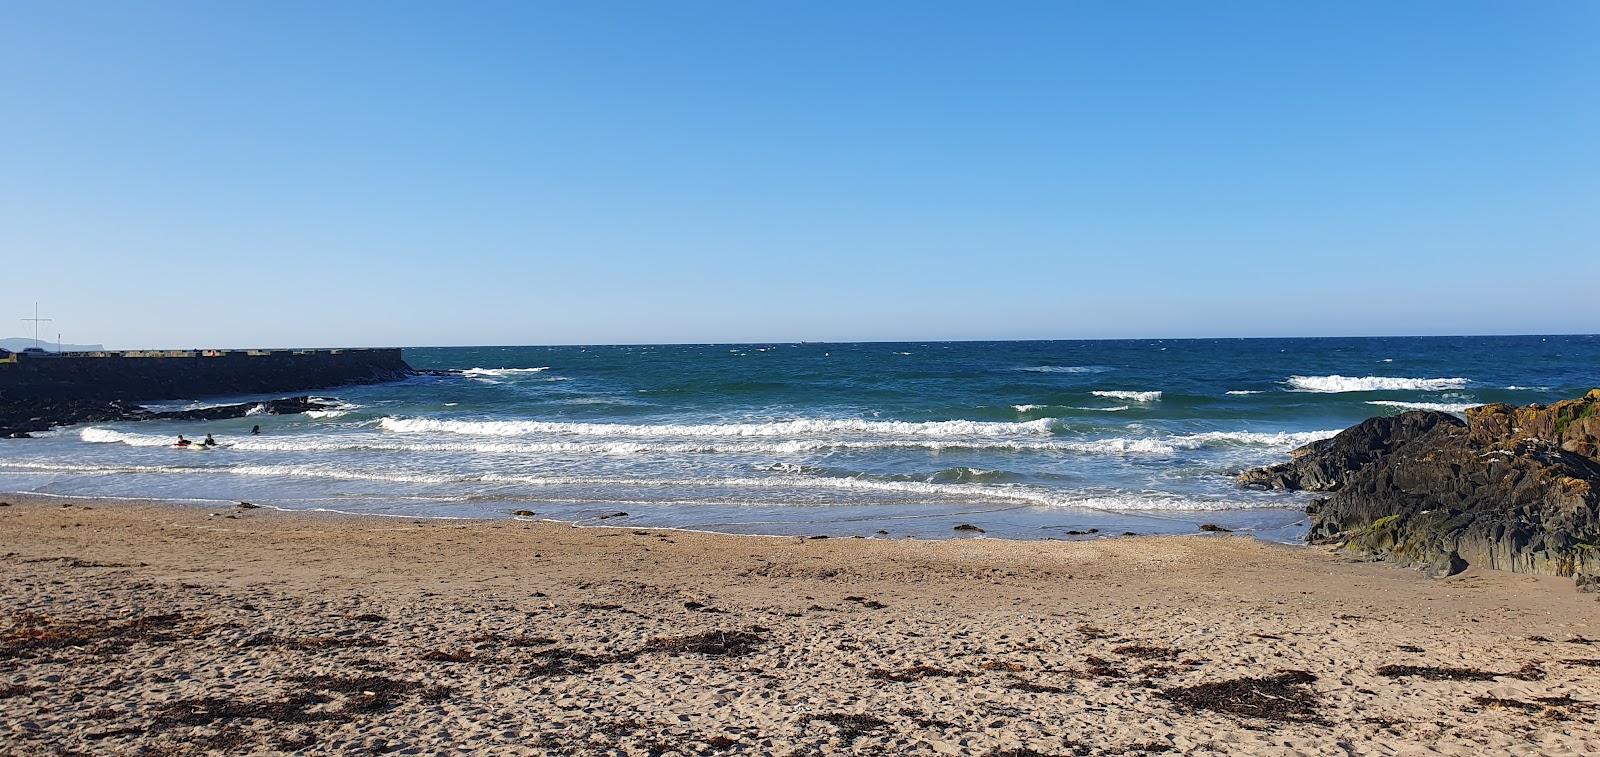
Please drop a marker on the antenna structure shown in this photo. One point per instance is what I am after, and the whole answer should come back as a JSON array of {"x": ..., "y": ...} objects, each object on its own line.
[{"x": 36, "y": 321}]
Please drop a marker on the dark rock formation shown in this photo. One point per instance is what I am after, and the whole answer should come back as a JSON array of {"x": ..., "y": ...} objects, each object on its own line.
[
  {"x": 1322, "y": 466},
  {"x": 18, "y": 418},
  {"x": 1512, "y": 488}
]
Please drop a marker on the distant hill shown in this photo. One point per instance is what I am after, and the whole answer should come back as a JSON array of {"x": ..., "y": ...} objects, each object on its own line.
[{"x": 18, "y": 344}]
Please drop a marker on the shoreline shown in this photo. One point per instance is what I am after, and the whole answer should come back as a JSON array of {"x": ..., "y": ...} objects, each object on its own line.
[
  {"x": 192, "y": 628},
  {"x": 1237, "y": 521}
]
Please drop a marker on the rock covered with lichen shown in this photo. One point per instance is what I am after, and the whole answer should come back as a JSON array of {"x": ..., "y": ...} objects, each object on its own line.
[{"x": 1511, "y": 488}]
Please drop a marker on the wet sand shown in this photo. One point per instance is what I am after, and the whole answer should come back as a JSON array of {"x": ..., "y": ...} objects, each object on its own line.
[{"x": 134, "y": 628}]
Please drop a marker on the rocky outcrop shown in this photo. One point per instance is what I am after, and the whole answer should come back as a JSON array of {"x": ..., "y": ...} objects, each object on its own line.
[
  {"x": 18, "y": 419},
  {"x": 1323, "y": 466},
  {"x": 1512, "y": 488}
]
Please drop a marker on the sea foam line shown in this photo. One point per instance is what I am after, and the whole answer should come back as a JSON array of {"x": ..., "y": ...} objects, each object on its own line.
[
  {"x": 1336, "y": 383},
  {"x": 1009, "y": 492},
  {"x": 799, "y": 427},
  {"x": 1109, "y": 446},
  {"x": 1443, "y": 407},
  {"x": 1066, "y": 369},
  {"x": 502, "y": 371}
]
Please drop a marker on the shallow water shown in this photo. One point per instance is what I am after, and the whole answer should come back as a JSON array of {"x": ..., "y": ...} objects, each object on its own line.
[{"x": 1024, "y": 439}]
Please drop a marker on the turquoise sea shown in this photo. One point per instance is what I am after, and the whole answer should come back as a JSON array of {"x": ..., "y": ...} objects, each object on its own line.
[{"x": 1023, "y": 439}]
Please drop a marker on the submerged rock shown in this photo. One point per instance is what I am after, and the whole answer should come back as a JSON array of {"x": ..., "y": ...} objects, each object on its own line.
[
  {"x": 18, "y": 417},
  {"x": 1512, "y": 488}
]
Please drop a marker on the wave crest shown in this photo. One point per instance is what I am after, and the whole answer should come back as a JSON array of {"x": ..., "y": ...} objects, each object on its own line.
[
  {"x": 1336, "y": 383},
  {"x": 1443, "y": 407},
  {"x": 1066, "y": 369},
  {"x": 1042, "y": 426},
  {"x": 1126, "y": 395}
]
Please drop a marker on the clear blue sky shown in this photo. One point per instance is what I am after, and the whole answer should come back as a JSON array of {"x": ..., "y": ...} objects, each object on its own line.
[{"x": 280, "y": 173}]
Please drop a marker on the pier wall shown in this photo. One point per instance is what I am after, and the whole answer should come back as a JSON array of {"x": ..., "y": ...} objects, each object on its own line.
[{"x": 135, "y": 375}]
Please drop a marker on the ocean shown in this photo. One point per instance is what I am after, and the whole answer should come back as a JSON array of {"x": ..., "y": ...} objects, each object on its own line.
[{"x": 1025, "y": 440}]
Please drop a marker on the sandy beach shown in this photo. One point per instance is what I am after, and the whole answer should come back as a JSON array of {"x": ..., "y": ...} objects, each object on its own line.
[{"x": 140, "y": 628}]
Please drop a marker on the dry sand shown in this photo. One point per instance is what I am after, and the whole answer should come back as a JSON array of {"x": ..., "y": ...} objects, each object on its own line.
[{"x": 135, "y": 628}]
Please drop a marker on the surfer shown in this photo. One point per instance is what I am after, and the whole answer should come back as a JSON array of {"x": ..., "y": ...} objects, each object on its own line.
[
  {"x": 255, "y": 430},
  {"x": 182, "y": 442},
  {"x": 209, "y": 442}
]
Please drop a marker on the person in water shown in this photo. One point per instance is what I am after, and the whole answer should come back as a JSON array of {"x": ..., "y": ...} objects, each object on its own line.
[
  {"x": 182, "y": 442},
  {"x": 255, "y": 430},
  {"x": 209, "y": 442}
]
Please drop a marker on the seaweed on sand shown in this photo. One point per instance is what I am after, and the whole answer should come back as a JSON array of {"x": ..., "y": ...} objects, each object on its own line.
[
  {"x": 1438, "y": 673},
  {"x": 513, "y": 641},
  {"x": 1103, "y": 668},
  {"x": 1286, "y": 697},
  {"x": 311, "y": 642},
  {"x": 1147, "y": 652},
  {"x": 1033, "y": 687},
  {"x": 914, "y": 673},
  {"x": 851, "y": 726},
  {"x": 713, "y": 643},
  {"x": 564, "y": 662},
  {"x": 295, "y": 708},
  {"x": 34, "y": 634},
  {"x": 367, "y": 694}
]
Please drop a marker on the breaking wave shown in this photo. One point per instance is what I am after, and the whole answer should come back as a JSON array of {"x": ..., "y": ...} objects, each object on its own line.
[
  {"x": 1130, "y": 396},
  {"x": 757, "y": 445},
  {"x": 1443, "y": 407},
  {"x": 1042, "y": 426},
  {"x": 502, "y": 371},
  {"x": 1029, "y": 495},
  {"x": 1334, "y": 384},
  {"x": 106, "y": 436},
  {"x": 1066, "y": 368}
]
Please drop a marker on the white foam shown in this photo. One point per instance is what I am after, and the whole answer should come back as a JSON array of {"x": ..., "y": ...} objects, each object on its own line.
[
  {"x": 797, "y": 427},
  {"x": 105, "y": 436},
  {"x": 1131, "y": 396},
  {"x": 739, "y": 445},
  {"x": 1244, "y": 391},
  {"x": 1008, "y": 492},
  {"x": 1516, "y": 388},
  {"x": 502, "y": 371},
  {"x": 1443, "y": 407},
  {"x": 338, "y": 410},
  {"x": 1115, "y": 409},
  {"x": 1336, "y": 383},
  {"x": 259, "y": 409},
  {"x": 1066, "y": 369},
  {"x": 1278, "y": 439},
  {"x": 1026, "y": 408}
]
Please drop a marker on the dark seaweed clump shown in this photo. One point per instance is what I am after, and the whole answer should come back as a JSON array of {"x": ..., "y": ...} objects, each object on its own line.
[
  {"x": 851, "y": 726},
  {"x": 914, "y": 673},
  {"x": 35, "y": 635},
  {"x": 713, "y": 643},
  {"x": 1286, "y": 697},
  {"x": 1437, "y": 673}
]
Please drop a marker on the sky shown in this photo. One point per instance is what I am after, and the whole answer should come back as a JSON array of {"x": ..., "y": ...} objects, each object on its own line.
[{"x": 392, "y": 173}]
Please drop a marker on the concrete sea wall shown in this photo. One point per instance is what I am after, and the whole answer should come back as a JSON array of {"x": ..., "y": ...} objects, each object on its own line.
[{"x": 184, "y": 374}]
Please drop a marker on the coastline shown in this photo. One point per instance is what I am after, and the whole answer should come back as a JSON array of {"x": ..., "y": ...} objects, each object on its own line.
[{"x": 517, "y": 636}]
